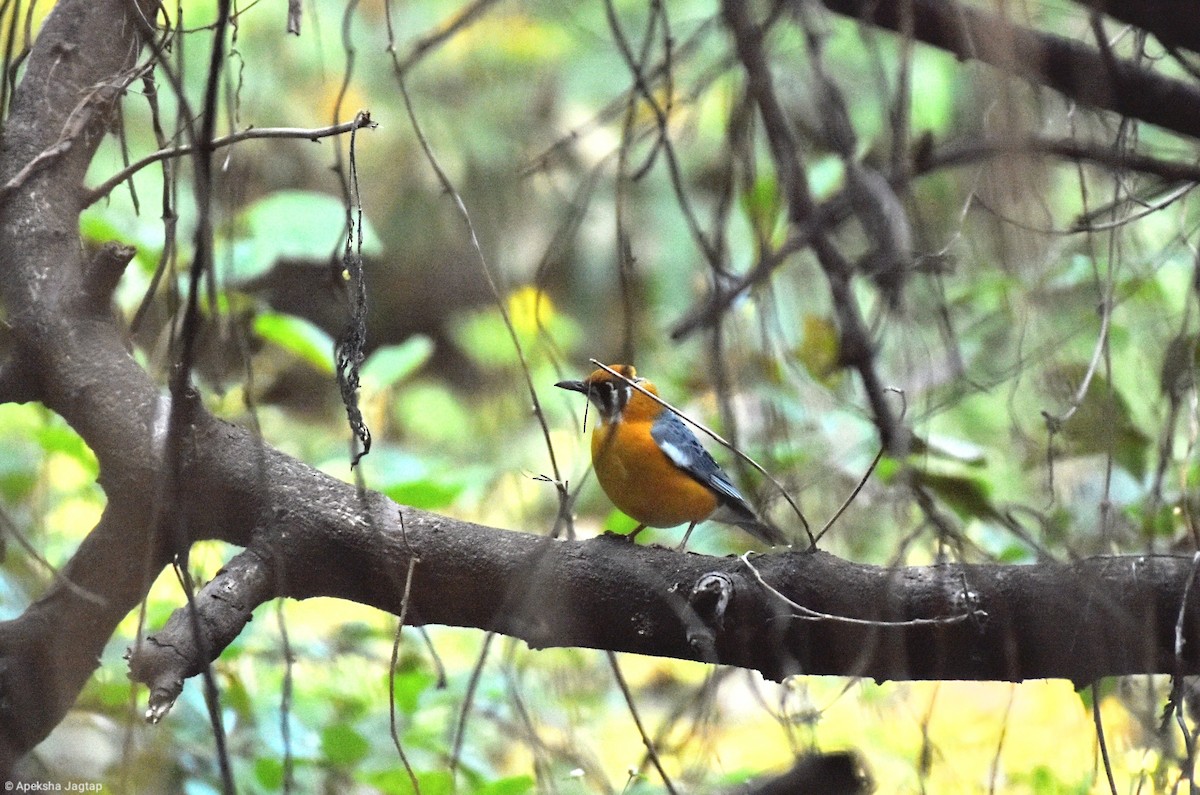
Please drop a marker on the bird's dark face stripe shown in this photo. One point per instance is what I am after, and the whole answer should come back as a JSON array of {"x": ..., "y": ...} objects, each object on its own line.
[
  {"x": 611, "y": 397},
  {"x": 620, "y": 394}
]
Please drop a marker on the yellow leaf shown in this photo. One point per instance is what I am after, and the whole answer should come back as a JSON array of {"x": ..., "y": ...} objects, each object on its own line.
[
  {"x": 529, "y": 309},
  {"x": 819, "y": 349}
]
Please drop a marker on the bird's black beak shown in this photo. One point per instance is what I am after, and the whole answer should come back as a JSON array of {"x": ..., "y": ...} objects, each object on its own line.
[{"x": 574, "y": 386}]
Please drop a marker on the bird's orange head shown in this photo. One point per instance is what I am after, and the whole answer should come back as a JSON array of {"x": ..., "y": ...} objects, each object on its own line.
[{"x": 613, "y": 396}]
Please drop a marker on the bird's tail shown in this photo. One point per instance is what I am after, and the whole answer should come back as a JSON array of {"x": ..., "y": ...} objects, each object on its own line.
[
  {"x": 740, "y": 513},
  {"x": 768, "y": 534}
]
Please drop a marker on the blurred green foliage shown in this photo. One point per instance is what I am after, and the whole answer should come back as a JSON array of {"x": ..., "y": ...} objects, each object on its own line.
[{"x": 289, "y": 224}]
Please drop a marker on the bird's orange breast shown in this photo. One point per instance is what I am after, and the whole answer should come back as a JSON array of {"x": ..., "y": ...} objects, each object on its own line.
[{"x": 640, "y": 480}]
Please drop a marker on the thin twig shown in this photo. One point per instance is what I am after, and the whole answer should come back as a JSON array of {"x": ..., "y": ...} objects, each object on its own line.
[
  {"x": 637, "y": 720},
  {"x": 461, "y": 19},
  {"x": 846, "y": 504},
  {"x": 1100, "y": 741},
  {"x": 404, "y": 600},
  {"x": 448, "y": 186},
  {"x": 184, "y": 400},
  {"x": 1054, "y": 422},
  {"x": 866, "y": 475},
  {"x": 76, "y": 124},
  {"x": 642, "y": 85},
  {"x": 808, "y": 614},
  {"x": 313, "y": 134},
  {"x": 616, "y": 105},
  {"x": 285, "y": 699},
  {"x": 855, "y": 347},
  {"x": 460, "y": 726},
  {"x": 8, "y": 527},
  {"x": 994, "y": 768},
  {"x": 836, "y": 210},
  {"x": 1189, "y": 740}
]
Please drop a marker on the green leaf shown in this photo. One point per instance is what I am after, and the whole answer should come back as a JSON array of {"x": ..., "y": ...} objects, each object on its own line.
[
  {"x": 18, "y": 469},
  {"x": 950, "y": 448},
  {"x": 513, "y": 785},
  {"x": 57, "y": 437},
  {"x": 1109, "y": 686},
  {"x": 1162, "y": 522},
  {"x": 343, "y": 745},
  {"x": 269, "y": 772},
  {"x": 818, "y": 351},
  {"x": 888, "y": 469},
  {"x": 1043, "y": 779},
  {"x": 1101, "y": 424},
  {"x": 485, "y": 338},
  {"x": 619, "y": 522},
  {"x": 1178, "y": 372},
  {"x": 291, "y": 224},
  {"x": 391, "y": 364},
  {"x": 101, "y": 224},
  {"x": 395, "y": 781},
  {"x": 762, "y": 204},
  {"x": 410, "y": 685},
  {"x": 933, "y": 107},
  {"x": 433, "y": 413},
  {"x": 969, "y": 496},
  {"x": 105, "y": 694},
  {"x": 428, "y": 495},
  {"x": 236, "y": 695},
  {"x": 410, "y": 480},
  {"x": 297, "y": 336}
]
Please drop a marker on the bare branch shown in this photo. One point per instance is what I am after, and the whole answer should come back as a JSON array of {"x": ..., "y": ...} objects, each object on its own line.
[
  {"x": 363, "y": 119},
  {"x": 854, "y": 345},
  {"x": 1163, "y": 18},
  {"x": 837, "y": 209},
  {"x": 82, "y": 117},
  {"x": 1065, "y": 65},
  {"x": 810, "y": 613}
]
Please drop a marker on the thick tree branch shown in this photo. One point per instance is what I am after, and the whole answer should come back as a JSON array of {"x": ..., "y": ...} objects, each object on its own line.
[
  {"x": 1172, "y": 21},
  {"x": 820, "y": 615},
  {"x": 72, "y": 357},
  {"x": 1077, "y": 71}
]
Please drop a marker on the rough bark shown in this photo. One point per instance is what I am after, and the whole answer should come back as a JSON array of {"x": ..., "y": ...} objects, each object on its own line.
[
  {"x": 1077, "y": 71},
  {"x": 71, "y": 357},
  {"x": 1174, "y": 22},
  {"x": 1081, "y": 621}
]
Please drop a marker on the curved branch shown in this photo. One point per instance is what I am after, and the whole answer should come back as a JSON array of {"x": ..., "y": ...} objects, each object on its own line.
[
  {"x": 362, "y": 119},
  {"x": 837, "y": 209},
  {"x": 854, "y": 344},
  {"x": 1166, "y": 19},
  {"x": 1073, "y": 69},
  {"x": 71, "y": 356}
]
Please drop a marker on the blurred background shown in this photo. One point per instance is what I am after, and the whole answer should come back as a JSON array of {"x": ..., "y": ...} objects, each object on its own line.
[{"x": 1039, "y": 338}]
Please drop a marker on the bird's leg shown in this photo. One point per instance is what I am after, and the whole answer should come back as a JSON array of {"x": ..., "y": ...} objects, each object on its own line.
[
  {"x": 683, "y": 543},
  {"x": 636, "y": 530}
]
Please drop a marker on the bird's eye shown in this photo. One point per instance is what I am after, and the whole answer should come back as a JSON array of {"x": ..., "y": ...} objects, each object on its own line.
[{"x": 603, "y": 394}]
